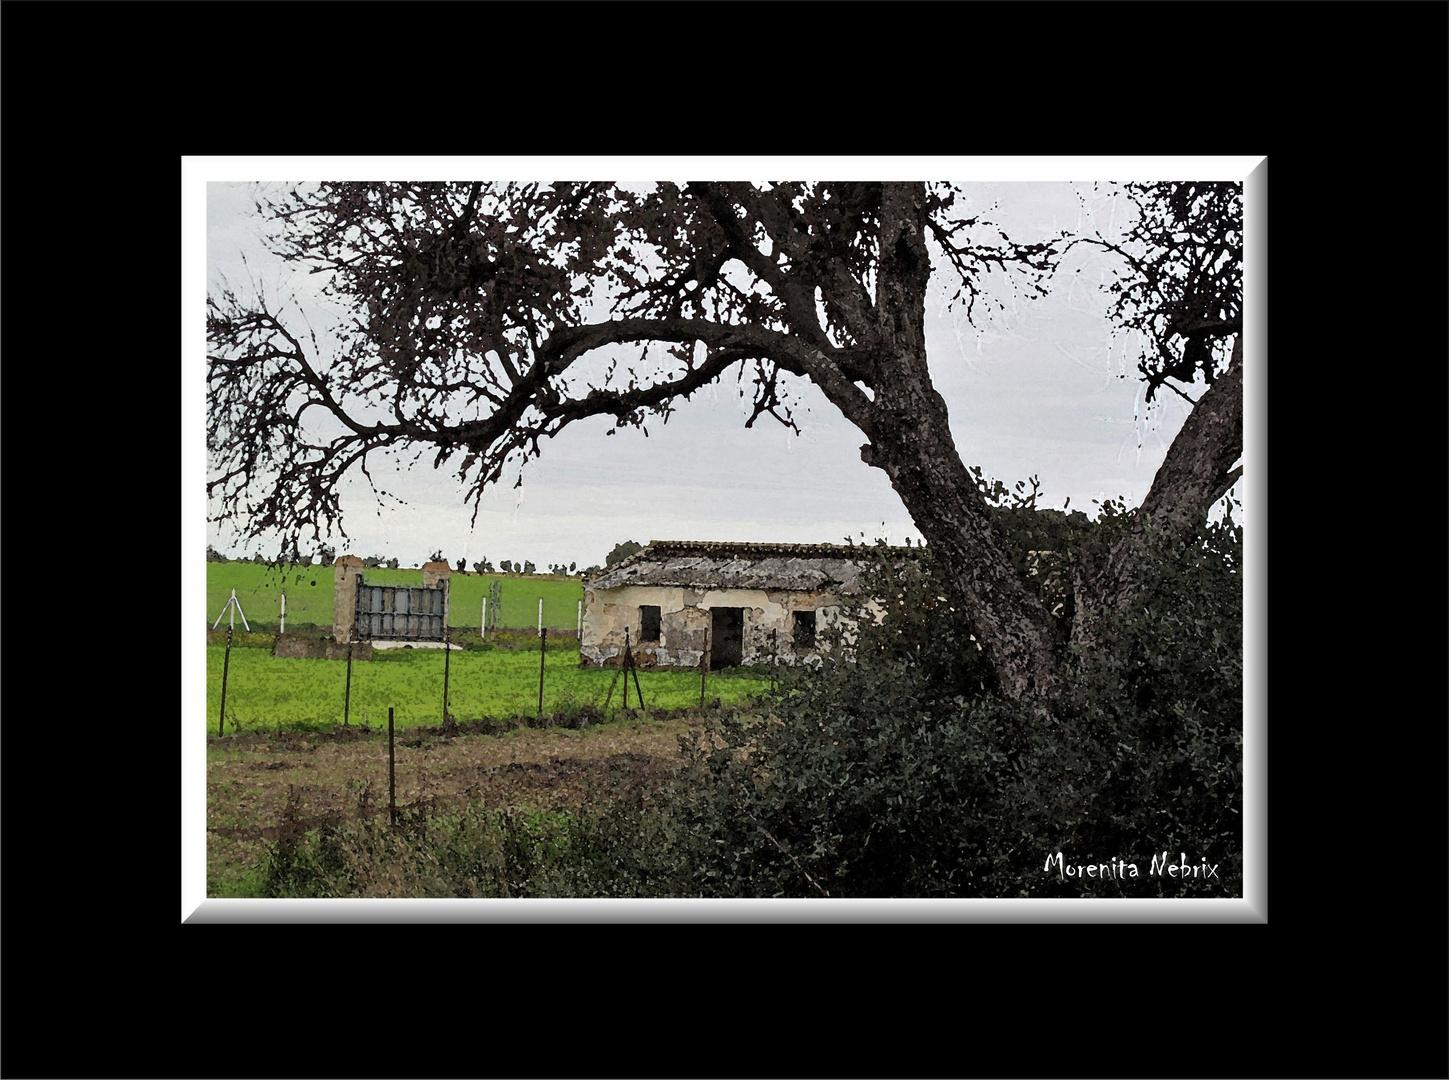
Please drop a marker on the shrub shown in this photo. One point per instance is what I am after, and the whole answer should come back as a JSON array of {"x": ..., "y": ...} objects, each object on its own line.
[{"x": 901, "y": 772}]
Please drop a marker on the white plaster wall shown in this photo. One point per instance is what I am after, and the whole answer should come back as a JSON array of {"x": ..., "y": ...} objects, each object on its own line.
[{"x": 607, "y": 615}]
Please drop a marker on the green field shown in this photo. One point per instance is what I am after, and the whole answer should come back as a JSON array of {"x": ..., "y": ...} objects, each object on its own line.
[
  {"x": 309, "y": 595},
  {"x": 266, "y": 692}
]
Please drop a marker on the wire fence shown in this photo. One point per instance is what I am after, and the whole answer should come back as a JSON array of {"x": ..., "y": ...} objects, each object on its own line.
[{"x": 462, "y": 682}]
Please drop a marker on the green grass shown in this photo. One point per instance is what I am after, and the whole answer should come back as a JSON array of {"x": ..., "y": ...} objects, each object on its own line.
[
  {"x": 264, "y": 692},
  {"x": 309, "y": 595},
  {"x": 521, "y": 594}
]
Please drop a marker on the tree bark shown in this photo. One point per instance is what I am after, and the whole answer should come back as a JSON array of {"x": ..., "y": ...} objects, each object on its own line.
[
  {"x": 911, "y": 441},
  {"x": 1197, "y": 471},
  {"x": 915, "y": 449}
]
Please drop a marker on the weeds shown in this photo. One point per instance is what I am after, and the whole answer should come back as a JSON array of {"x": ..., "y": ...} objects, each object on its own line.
[{"x": 433, "y": 852}]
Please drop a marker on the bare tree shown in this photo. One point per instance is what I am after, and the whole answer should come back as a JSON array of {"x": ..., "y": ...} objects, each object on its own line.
[{"x": 488, "y": 317}]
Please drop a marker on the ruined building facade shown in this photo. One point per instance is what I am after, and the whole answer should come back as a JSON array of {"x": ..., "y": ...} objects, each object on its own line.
[{"x": 746, "y": 603}]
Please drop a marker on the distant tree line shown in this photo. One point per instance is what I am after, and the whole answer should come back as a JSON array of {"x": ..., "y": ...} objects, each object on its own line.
[{"x": 328, "y": 556}]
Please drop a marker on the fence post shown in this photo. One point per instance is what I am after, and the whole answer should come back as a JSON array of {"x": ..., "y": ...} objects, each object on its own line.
[
  {"x": 624, "y": 667},
  {"x": 633, "y": 667},
  {"x": 447, "y": 651},
  {"x": 703, "y": 666},
  {"x": 225, "y": 668},
  {"x": 542, "y": 644},
  {"x": 347, "y": 700},
  {"x": 391, "y": 772},
  {"x": 774, "y": 661},
  {"x": 233, "y": 607}
]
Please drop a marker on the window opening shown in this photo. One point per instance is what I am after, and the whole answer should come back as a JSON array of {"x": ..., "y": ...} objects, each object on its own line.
[
  {"x": 804, "y": 628},
  {"x": 649, "y": 622}
]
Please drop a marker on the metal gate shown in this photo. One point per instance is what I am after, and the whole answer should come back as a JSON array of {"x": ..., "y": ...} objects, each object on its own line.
[{"x": 399, "y": 613}]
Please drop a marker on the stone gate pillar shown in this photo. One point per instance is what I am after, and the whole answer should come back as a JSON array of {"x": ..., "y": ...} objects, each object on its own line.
[
  {"x": 437, "y": 574},
  {"x": 346, "y": 571}
]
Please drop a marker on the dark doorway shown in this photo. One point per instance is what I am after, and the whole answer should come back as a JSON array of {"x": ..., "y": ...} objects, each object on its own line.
[{"x": 726, "y": 637}]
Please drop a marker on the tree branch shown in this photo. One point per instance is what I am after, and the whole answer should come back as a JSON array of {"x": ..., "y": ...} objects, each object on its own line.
[
  {"x": 1203, "y": 452},
  {"x": 1197, "y": 471},
  {"x": 794, "y": 288}
]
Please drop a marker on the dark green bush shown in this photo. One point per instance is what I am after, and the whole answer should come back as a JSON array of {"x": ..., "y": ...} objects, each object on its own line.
[{"x": 903, "y": 773}]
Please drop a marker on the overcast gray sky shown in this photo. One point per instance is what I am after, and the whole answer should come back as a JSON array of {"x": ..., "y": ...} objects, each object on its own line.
[{"x": 1043, "y": 389}]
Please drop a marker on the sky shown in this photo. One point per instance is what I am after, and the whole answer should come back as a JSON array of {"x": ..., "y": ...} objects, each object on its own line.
[{"x": 1042, "y": 389}]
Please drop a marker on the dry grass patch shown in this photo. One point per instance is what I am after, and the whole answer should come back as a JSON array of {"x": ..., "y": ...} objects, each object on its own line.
[{"x": 330, "y": 776}]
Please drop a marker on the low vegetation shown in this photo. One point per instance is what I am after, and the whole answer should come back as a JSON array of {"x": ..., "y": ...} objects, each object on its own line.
[{"x": 284, "y": 808}]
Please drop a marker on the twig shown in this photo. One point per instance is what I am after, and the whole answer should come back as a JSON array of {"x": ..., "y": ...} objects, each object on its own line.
[{"x": 787, "y": 854}]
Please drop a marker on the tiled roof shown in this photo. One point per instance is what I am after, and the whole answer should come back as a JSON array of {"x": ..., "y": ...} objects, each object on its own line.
[{"x": 718, "y": 565}]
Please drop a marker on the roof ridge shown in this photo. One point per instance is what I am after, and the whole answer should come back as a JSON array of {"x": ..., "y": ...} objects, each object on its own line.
[
  {"x": 761, "y": 545},
  {"x": 746, "y": 564}
]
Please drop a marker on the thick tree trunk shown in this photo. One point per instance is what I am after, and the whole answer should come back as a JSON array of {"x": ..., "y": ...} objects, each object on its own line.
[
  {"x": 911, "y": 442},
  {"x": 915, "y": 449}
]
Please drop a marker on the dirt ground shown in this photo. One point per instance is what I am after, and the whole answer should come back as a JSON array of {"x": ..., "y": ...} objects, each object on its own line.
[{"x": 249, "y": 777}]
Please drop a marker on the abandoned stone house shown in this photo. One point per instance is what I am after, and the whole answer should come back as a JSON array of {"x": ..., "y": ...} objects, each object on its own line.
[{"x": 744, "y": 603}]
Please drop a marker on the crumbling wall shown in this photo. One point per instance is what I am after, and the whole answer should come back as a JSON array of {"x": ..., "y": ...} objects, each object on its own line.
[
  {"x": 685, "y": 616},
  {"x": 439, "y": 575},
  {"x": 346, "y": 570}
]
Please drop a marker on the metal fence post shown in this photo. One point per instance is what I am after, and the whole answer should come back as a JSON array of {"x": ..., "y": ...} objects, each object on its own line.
[
  {"x": 638, "y": 690},
  {"x": 347, "y": 700},
  {"x": 447, "y": 650},
  {"x": 391, "y": 771},
  {"x": 225, "y": 668},
  {"x": 542, "y": 646}
]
